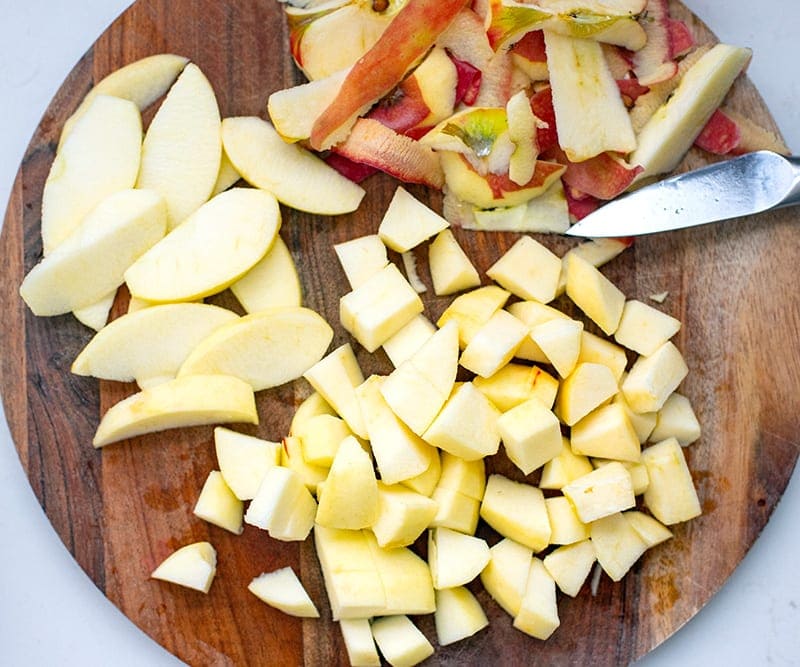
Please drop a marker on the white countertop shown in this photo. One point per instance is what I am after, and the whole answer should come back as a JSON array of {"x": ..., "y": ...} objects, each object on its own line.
[{"x": 51, "y": 613}]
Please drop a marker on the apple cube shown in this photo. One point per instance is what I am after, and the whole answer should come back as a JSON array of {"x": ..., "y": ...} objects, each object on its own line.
[
  {"x": 473, "y": 309},
  {"x": 425, "y": 483},
  {"x": 341, "y": 550},
  {"x": 533, "y": 313},
  {"x": 652, "y": 379},
  {"x": 379, "y": 308},
  {"x": 358, "y": 641},
  {"x": 606, "y": 433},
  {"x": 320, "y": 437},
  {"x": 311, "y": 406},
  {"x": 283, "y": 590},
  {"x": 244, "y": 460},
  {"x": 560, "y": 342},
  {"x": 676, "y": 419},
  {"x": 602, "y": 492},
  {"x": 403, "y": 515},
  {"x": 566, "y": 527},
  {"x": 586, "y": 388},
  {"x": 408, "y": 222},
  {"x": 538, "y": 613},
  {"x": 292, "y": 457},
  {"x": 455, "y": 510},
  {"x": 458, "y": 615},
  {"x": 564, "y": 468},
  {"x": 643, "y": 328},
  {"x": 516, "y": 383},
  {"x": 598, "y": 350},
  {"x": 638, "y": 470},
  {"x": 283, "y": 506},
  {"x": 406, "y": 579},
  {"x": 467, "y": 477},
  {"x": 451, "y": 269},
  {"x": 192, "y": 566},
  {"x": 217, "y": 504},
  {"x": 349, "y": 497},
  {"x": 466, "y": 426},
  {"x": 670, "y": 496},
  {"x": 651, "y": 530},
  {"x": 594, "y": 294},
  {"x": 570, "y": 565},
  {"x": 335, "y": 378},
  {"x": 494, "y": 344},
  {"x": 531, "y": 435},
  {"x": 454, "y": 558},
  {"x": 506, "y": 576},
  {"x": 597, "y": 252},
  {"x": 617, "y": 544},
  {"x": 643, "y": 423},
  {"x": 517, "y": 511},
  {"x": 408, "y": 340},
  {"x": 272, "y": 282},
  {"x": 361, "y": 258},
  {"x": 528, "y": 270},
  {"x": 400, "y": 641}
]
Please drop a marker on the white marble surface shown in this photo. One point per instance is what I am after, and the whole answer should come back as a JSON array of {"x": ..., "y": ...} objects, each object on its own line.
[{"x": 50, "y": 612}]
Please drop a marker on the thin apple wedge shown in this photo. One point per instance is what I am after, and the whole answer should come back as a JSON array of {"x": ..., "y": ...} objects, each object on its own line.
[
  {"x": 95, "y": 316},
  {"x": 182, "y": 149},
  {"x": 295, "y": 176},
  {"x": 149, "y": 345},
  {"x": 265, "y": 349},
  {"x": 193, "y": 400},
  {"x": 215, "y": 247},
  {"x": 271, "y": 283},
  {"x": 406, "y": 40}
]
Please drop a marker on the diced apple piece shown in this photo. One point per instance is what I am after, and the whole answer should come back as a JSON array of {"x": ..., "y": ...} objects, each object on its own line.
[
  {"x": 638, "y": 471},
  {"x": 506, "y": 576},
  {"x": 570, "y": 566},
  {"x": 343, "y": 551},
  {"x": 408, "y": 340},
  {"x": 310, "y": 407},
  {"x": 672, "y": 129},
  {"x": 538, "y": 613},
  {"x": 295, "y": 176},
  {"x": 335, "y": 378},
  {"x": 244, "y": 460},
  {"x": 400, "y": 641},
  {"x": 564, "y": 468},
  {"x": 320, "y": 437},
  {"x": 598, "y": 350},
  {"x": 455, "y": 510},
  {"x": 643, "y": 328},
  {"x": 517, "y": 511},
  {"x": 594, "y": 294},
  {"x": 652, "y": 379},
  {"x": 406, "y": 579},
  {"x": 266, "y": 349},
  {"x": 271, "y": 283},
  {"x": 533, "y": 313},
  {"x": 408, "y": 222},
  {"x": 643, "y": 422},
  {"x": 473, "y": 309},
  {"x": 217, "y": 504},
  {"x": 466, "y": 426},
  {"x": 425, "y": 483},
  {"x": 528, "y": 270},
  {"x": 358, "y": 641},
  {"x": 192, "y": 566},
  {"x": 283, "y": 590},
  {"x": 458, "y": 615},
  {"x": 651, "y": 530},
  {"x": 454, "y": 558},
  {"x": 602, "y": 492},
  {"x": 403, "y": 515},
  {"x": 516, "y": 383},
  {"x": 189, "y": 401},
  {"x": 597, "y": 252},
  {"x": 349, "y": 497},
  {"x": 451, "y": 269},
  {"x": 283, "y": 506},
  {"x": 379, "y": 308},
  {"x": 494, "y": 344},
  {"x": 670, "y": 496},
  {"x": 212, "y": 249},
  {"x": 92, "y": 261},
  {"x": 292, "y": 458},
  {"x": 467, "y": 477},
  {"x": 566, "y": 527},
  {"x": 531, "y": 435},
  {"x": 607, "y": 433},
  {"x": 560, "y": 341},
  {"x": 586, "y": 388},
  {"x": 361, "y": 258},
  {"x": 677, "y": 419},
  {"x": 590, "y": 114},
  {"x": 617, "y": 544}
]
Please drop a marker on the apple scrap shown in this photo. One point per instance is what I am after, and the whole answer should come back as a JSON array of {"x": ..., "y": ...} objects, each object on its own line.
[{"x": 526, "y": 115}]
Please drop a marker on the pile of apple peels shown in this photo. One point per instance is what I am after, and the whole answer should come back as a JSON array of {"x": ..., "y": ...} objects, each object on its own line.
[{"x": 527, "y": 115}]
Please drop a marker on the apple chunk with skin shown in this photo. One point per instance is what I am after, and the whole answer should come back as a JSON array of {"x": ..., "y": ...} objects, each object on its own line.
[
  {"x": 282, "y": 589},
  {"x": 218, "y": 244},
  {"x": 192, "y": 566},
  {"x": 188, "y": 401}
]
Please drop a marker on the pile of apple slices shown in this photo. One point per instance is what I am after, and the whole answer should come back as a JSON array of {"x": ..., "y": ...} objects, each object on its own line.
[{"x": 527, "y": 115}]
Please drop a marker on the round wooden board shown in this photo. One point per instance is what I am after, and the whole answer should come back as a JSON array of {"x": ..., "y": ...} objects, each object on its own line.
[{"x": 121, "y": 510}]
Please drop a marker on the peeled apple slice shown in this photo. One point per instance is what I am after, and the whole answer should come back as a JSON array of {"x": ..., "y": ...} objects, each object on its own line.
[
  {"x": 265, "y": 349},
  {"x": 218, "y": 244},
  {"x": 149, "y": 345},
  {"x": 193, "y": 400},
  {"x": 294, "y": 175},
  {"x": 271, "y": 283}
]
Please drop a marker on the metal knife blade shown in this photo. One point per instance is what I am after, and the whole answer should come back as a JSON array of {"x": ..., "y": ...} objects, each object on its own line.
[{"x": 744, "y": 185}]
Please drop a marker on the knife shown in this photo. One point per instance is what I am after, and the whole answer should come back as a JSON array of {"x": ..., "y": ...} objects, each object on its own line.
[{"x": 744, "y": 185}]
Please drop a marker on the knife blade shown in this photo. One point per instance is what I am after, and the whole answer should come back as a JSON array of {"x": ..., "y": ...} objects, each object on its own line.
[{"x": 744, "y": 185}]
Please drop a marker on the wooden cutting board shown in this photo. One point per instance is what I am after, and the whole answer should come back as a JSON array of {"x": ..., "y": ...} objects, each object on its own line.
[{"x": 121, "y": 510}]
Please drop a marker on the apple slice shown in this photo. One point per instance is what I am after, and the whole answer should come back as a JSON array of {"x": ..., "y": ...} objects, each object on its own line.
[
  {"x": 227, "y": 175},
  {"x": 188, "y": 401},
  {"x": 283, "y": 590},
  {"x": 92, "y": 261},
  {"x": 266, "y": 349},
  {"x": 272, "y": 283},
  {"x": 100, "y": 157},
  {"x": 192, "y": 566},
  {"x": 217, "y": 245},
  {"x": 296, "y": 177},
  {"x": 149, "y": 345},
  {"x": 407, "y": 39},
  {"x": 182, "y": 149}
]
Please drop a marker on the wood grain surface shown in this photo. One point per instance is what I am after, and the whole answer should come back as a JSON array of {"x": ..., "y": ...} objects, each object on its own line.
[{"x": 121, "y": 510}]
